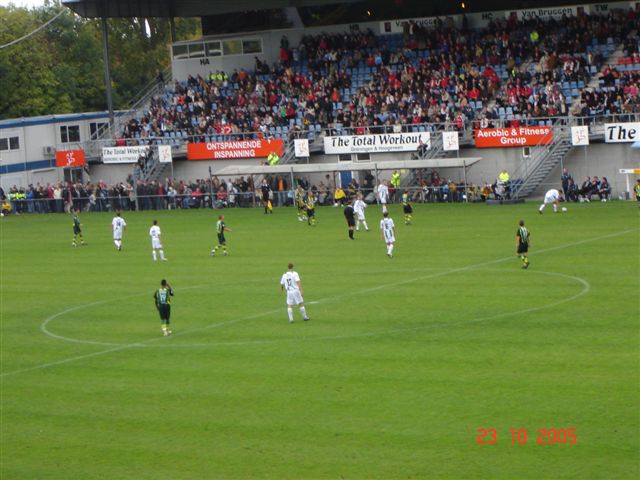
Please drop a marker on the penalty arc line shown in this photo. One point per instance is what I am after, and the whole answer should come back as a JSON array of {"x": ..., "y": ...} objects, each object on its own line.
[{"x": 455, "y": 270}]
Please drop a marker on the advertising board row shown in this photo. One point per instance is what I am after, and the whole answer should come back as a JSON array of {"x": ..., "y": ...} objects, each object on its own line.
[{"x": 382, "y": 143}]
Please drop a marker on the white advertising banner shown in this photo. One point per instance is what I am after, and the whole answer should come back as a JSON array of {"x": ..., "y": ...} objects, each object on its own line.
[
  {"x": 123, "y": 154},
  {"x": 386, "y": 142},
  {"x": 450, "y": 141},
  {"x": 621, "y": 132},
  {"x": 164, "y": 154},
  {"x": 546, "y": 13},
  {"x": 580, "y": 135},
  {"x": 301, "y": 147}
]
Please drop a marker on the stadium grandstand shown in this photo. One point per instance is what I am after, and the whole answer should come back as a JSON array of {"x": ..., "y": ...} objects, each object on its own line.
[{"x": 514, "y": 86}]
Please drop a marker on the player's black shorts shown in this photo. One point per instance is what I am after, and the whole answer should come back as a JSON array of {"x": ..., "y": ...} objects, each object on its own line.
[
  {"x": 221, "y": 239},
  {"x": 311, "y": 212},
  {"x": 523, "y": 248},
  {"x": 76, "y": 230},
  {"x": 408, "y": 209},
  {"x": 351, "y": 222},
  {"x": 165, "y": 313}
]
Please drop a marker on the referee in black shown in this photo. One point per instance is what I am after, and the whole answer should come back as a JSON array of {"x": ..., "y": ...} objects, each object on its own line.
[
  {"x": 162, "y": 297},
  {"x": 349, "y": 215}
]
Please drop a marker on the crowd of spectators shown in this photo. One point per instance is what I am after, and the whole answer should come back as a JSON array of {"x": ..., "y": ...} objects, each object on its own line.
[{"x": 370, "y": 84}]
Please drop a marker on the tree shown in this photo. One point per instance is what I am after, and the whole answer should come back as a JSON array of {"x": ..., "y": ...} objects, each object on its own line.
[{"x": 60, "y": 69}]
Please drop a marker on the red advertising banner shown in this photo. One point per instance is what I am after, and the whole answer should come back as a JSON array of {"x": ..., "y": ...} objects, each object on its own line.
[
  {"x": 259, "y": 148},
  {"x": 513, "y": 137},
  {"x": 70, "y": 158}
]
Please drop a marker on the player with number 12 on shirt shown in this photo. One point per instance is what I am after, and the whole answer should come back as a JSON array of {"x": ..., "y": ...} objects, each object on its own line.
[{"x": 290, "y": 282}]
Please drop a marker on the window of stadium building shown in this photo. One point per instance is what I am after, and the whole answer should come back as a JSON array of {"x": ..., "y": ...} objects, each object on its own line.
[
  {"x": 251, "y": 46},
  {"x": 232, "y": 47},
  {"x": 214, "y": 49},
  {"x": 97, "y": 128},
  {"x": 10, "y": 143},
  {"x": 69, "y": 133},
  {"x": 196, "y": 50},
  {"x": 180, "y": 51}
]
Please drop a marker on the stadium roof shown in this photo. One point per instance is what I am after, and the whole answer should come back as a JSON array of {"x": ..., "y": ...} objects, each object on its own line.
[
  {"x": 347, "y": 166},
  {"x": 181, "y": 8}
]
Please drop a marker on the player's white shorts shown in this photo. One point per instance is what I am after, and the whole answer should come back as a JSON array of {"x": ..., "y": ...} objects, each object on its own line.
[
  {"x": 549, "y": 199},
  {"x": 361, "y": 217},
  {"x": 117, "y": 235},
  {"x": 383, "y": 201},
  {"x": 155, "y": 243},
  {"x": 294, "y": 297},
  {"x": 389, "y": 237}
]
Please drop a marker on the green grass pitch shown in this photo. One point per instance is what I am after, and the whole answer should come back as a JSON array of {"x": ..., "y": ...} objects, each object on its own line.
[{"x": 402, "y": 363}]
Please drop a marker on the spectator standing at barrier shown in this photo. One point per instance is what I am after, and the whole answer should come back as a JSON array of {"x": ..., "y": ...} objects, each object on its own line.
[
  {"x": 273, "y": 158},
  {"x": 504, "y": 179},
  {"x": 636, "y": 189},
  {"x": 266, "y": 191},
  {"x": 395, "y": 183},
  {"x": 564, "y": 178}
]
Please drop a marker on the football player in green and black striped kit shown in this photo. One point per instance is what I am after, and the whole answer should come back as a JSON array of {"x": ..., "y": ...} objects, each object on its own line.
[
  {"x": 522, "y": 244},
  {"x": 221, "y": 227},
  {"x": 162, "y": 297},
  {"x": 77, "y": 231}
]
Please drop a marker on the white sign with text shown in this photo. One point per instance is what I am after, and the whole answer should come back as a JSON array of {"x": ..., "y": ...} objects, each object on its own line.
[
  {"x": 123, "y": 154},
  {"x": 385, "y": 142},
  {"x": 621, "y": 132}
]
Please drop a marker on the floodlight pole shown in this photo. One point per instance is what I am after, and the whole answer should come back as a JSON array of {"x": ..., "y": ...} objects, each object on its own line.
[{"x": 107, "y": 72}]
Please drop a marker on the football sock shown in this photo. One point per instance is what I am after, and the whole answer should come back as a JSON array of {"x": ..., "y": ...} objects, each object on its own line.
[
  {"x": 162, "y": 255},
  {"x": 541, "y": 207},
  {"x": 153, "y": 252},
  {"x": 555, "y": 209},
  {"x": 351, "y": 234},
  {"x": 303, "y": 312},
  {"x": 365, "y": 225},
  {"x": 290, "y": 313}
]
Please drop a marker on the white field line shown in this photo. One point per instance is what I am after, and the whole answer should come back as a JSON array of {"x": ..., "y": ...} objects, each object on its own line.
[
  {"x": 116, "y": 347},
  {"x": 586, "y": 287}
]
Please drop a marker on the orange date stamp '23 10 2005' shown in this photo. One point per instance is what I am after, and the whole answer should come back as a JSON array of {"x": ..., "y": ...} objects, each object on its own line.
[{"x": 519, "y": 436}]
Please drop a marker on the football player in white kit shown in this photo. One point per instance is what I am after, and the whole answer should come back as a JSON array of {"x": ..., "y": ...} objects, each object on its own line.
[
  {"x": 388, "y": 232},
  {"x": 119, "y": 226},
  {"x": 358, "y": 206},
  {"x": 156, "y": 244},
  {"x": 383, "y": 195},
  {"x": 290, "y": 282},
  {"x": 552, "y": 196}
]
